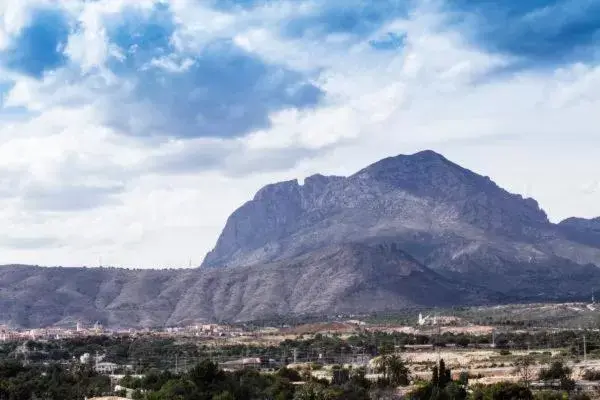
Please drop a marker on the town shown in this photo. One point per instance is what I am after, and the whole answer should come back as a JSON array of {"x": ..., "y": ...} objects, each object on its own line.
[{"x": 503, "y": 352}]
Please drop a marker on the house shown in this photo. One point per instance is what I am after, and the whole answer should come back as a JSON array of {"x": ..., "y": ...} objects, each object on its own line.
[
  {"x": 108, "y": 398},
  {"x": 106, "y": 367},
  {"x": 241, "y": 364}
]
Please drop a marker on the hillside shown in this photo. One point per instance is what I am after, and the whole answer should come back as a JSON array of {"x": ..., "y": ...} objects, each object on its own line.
[{"x": 346, "y": 278}]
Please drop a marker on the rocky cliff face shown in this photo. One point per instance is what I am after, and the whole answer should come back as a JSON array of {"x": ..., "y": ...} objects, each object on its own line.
[
  {"x": 452, "y": 220},
  {"x": 422, "y": 200}
]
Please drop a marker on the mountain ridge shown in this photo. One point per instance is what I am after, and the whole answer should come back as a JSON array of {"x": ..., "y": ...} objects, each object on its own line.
[
  {"x": 337, "y": 279},
  {"x": 417, "y": 181}
]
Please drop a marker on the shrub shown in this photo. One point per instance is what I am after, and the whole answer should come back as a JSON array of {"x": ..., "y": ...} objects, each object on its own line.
[{"x": 591, "y": 375}]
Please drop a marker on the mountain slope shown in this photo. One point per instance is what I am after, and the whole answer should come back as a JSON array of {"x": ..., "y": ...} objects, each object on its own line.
[
  {"x": 39, "y": 296},
  {"x": 345, "y": 278},
  {"x": 586, "y": 231}
]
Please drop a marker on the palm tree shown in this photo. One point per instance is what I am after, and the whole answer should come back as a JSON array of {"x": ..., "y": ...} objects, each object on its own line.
[{"x": 393, "y": 369}]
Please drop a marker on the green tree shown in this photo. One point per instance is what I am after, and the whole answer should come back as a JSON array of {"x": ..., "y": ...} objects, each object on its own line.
[
  {"x": 524, "y": 369},
  {"x": 393, "y": 369},
  {"x": 340, "y": 376},
  {"x": 311, "y": 391},
  {"x": 558, "y": 372},
  {"x": 176, "y": 389},
  {"x": 223, "y": 396},
  {"x": 501, "y": 391},
  {"x": 291, "y": 374},
  {"x": 549, "y": 395},
  {"x": 444, "y": 374},
  {"x": 435, "y": 376}
]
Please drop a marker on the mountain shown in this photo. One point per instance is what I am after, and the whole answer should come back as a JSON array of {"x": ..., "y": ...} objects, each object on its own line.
[
  {"x": 456, "y": 222},
  {"x": 411, "y": 230},
  {"x": 421, "y": 193}
]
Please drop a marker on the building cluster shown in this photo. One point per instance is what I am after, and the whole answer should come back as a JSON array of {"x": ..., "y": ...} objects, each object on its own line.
[
  {"x": 50, "y": 333},
  {"x": 81, "y": 330},
  {"x": 206, "y": 330}
]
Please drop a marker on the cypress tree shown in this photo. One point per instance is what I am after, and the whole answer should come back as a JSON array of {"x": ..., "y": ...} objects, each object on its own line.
[{"x": 435, "y": 378}]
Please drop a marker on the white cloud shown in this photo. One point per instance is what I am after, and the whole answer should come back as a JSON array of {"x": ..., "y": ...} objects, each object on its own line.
[
  {"x": 530, "y": 131},
  {"x": 14, "y": 14},
  {"x": 198, "y": 24}
]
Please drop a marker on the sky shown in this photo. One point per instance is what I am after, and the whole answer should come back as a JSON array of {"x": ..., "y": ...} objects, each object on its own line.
[{"x": 129, "y": 131}]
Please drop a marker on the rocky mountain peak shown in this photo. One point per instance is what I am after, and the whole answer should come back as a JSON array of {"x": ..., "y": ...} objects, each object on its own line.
[
  {"x": 318, "y": 180},
  {"x": 285, "y": 189},
  {"x": 428, "y": 173},
  {"x": 582, "y": 223},
  {"x": 423, "y": 190}
]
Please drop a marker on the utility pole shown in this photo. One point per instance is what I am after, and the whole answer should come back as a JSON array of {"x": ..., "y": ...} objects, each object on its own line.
[
  {"x": 283, "y": 357},
  {"x": 439, "y": 335},
  {"x": 584, "y": 349}
]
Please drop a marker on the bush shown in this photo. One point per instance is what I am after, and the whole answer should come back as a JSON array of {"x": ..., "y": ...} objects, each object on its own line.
[
  {"x": 549, "y": 395},
  {"x": 557, "y": 371},
  {"x": 502, "y": 391},
  {"x": 591, "y": 375},
  {"x": 580, "y": 396},
  {"x": 290, "y": 374}
]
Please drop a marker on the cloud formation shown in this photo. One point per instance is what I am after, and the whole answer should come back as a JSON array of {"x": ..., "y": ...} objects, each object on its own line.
[{"x": 130, "y": 130}]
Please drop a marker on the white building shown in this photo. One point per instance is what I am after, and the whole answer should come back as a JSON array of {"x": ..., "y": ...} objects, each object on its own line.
[
  {"x": 85, "y": 358},
  {"x": 106, "y": 367}
]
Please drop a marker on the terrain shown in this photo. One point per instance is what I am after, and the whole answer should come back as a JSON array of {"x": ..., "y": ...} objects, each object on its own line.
[
  {"x": 338, "y": 279},
  {"x": 411, "y": 230}
]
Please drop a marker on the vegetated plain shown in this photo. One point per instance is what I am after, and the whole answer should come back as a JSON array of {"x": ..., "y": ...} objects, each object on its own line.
[{"x": 335, "y": 359}]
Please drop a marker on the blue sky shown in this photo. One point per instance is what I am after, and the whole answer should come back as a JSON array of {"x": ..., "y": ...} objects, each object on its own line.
[
  {"x": 39, "y": 45},
  {"x": 130, "y": 130}
]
